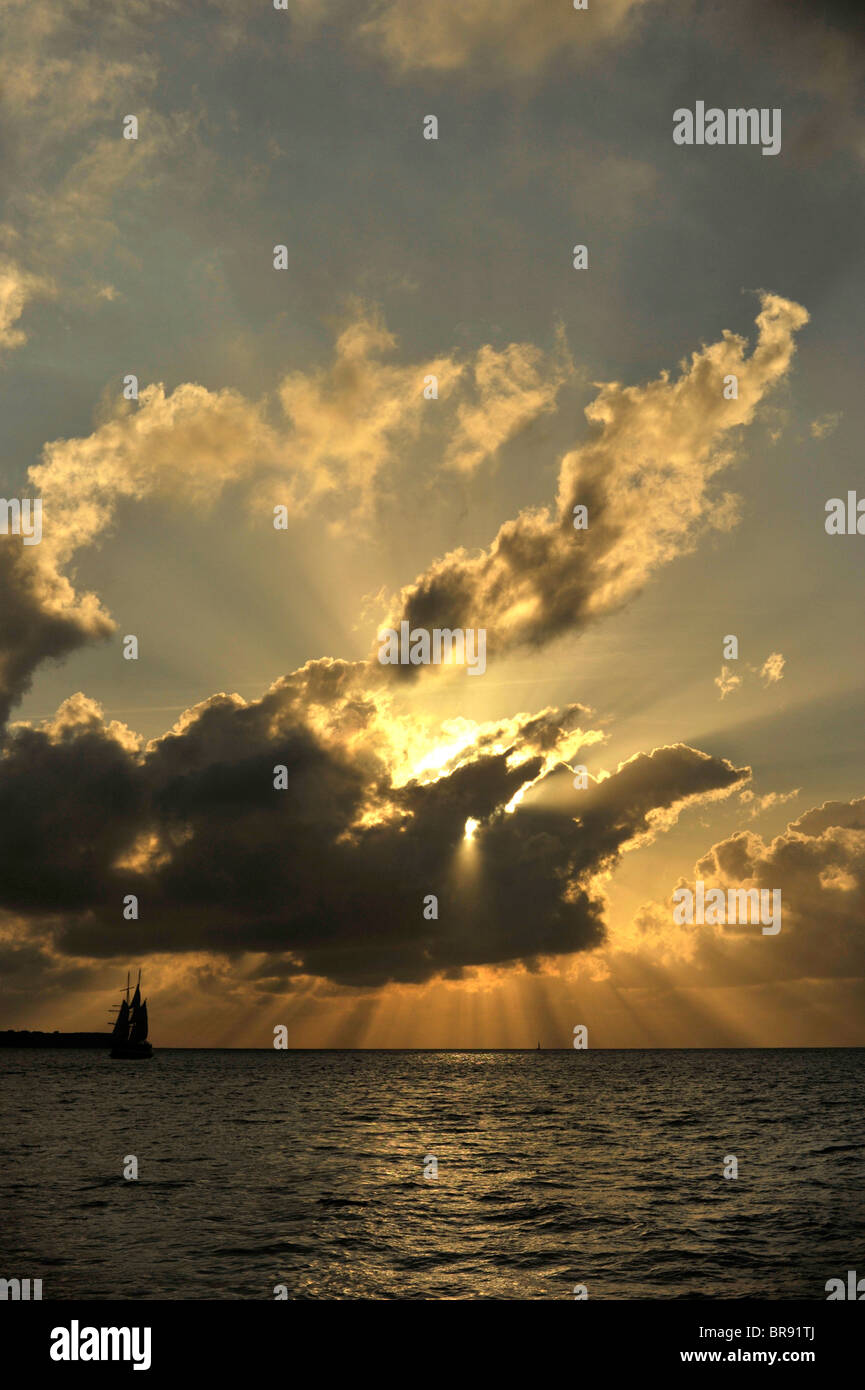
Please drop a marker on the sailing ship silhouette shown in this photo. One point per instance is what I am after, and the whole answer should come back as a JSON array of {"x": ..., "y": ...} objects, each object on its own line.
[{"x": 129, "y": 1034}]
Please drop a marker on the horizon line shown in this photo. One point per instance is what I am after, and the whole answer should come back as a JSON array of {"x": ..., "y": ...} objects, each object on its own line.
[{"x": 221, "y": 1047}]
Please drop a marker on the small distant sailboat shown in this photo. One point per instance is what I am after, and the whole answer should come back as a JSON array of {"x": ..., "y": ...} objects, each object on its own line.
[
  {"x": 539, "y": 1047},
  {"x": 129, "y": 1035}
]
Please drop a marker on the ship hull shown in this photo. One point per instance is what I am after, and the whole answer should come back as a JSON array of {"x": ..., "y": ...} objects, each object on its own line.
[{"x": 132, "y": 1052}]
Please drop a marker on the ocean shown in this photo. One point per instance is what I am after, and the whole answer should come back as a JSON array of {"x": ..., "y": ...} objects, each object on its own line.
[{"x": 310, "y": 1173}]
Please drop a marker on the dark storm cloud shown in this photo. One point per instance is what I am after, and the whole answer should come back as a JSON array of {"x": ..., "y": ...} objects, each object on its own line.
[
  {"x": 40, "y": 619},
  {"x": 30, "y": 968},
  {"x": 817, "y": 52},
  {"x": 69, "y": 804},
  {"x": 818, "y": 864},
  {"x": 330, "y": 875}
]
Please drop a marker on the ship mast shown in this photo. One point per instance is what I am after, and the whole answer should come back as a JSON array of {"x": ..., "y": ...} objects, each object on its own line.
[
  {"x": 115, "y": 1008},
  {"x": 129, "y": 1034}
]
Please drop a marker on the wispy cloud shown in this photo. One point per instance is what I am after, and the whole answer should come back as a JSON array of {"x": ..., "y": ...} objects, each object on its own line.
[{"x": 646, "y": 479}]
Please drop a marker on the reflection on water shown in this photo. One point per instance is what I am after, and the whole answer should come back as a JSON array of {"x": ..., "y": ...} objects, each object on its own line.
[{"x": 555, "y": 1168}]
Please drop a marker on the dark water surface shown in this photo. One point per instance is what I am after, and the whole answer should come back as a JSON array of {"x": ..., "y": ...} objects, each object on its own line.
[{"x": 557, "y": 1168}]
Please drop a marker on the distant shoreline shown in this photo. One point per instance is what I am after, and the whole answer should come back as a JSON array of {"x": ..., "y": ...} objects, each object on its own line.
[{"x": 24, "y": 1037}]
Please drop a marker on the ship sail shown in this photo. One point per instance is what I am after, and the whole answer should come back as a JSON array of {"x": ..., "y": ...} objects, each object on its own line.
[
  {"x": 138, "y": 1031},
  {"x": 129, "y": 1038},
  {"x": 121, "y": 1023}
]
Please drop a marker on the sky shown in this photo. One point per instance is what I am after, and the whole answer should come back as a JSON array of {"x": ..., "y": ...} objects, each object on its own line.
[{"x": 428, "y": 873}]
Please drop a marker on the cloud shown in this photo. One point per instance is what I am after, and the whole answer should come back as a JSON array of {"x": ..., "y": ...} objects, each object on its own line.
[
  {"x": 343, "y": 432},
  {"x": 646, "y": 477},
  {"x": 825, "y": 425},
  {"x": 184, "y": 447},
  {"x": 511, "y": 388},
  {"x": 41, "y": 618},
  {"x": 772, "y": 669},
  {"x": 68, "y": 76},
  {"x": 758, "y": 804},
  {"x": 818, "y": 863},
  {"x": 727, "y": 682},
  {"x": 769, "y": 673},
  {"x": 355, "y": 418},
  {"x": 222, "y": 862},
  {"x": 329, "y": 876},
  {"x": 17, "y": 289},
  {"x": 818, "y": 52},
  {"x": 53, "y": 84},
  {"x": 343, "y": 426},
  {"x": 514, "y": 37}
]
